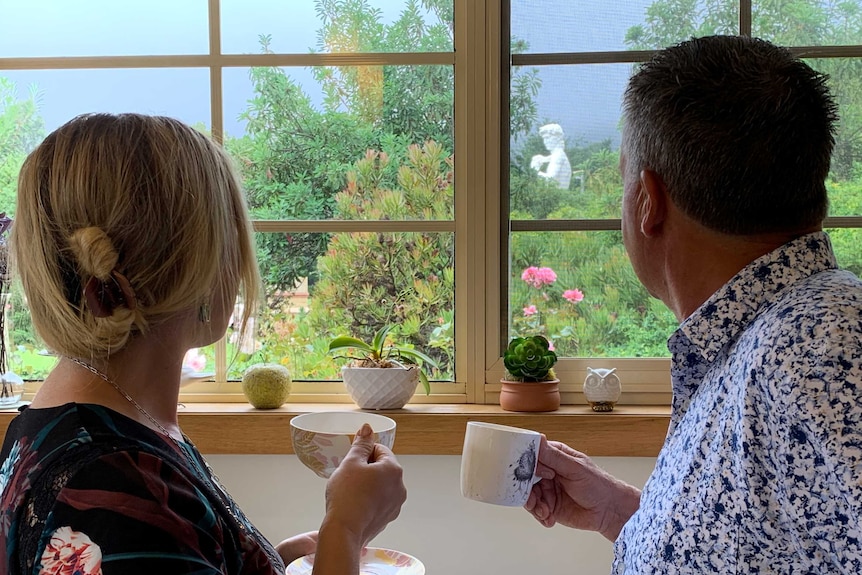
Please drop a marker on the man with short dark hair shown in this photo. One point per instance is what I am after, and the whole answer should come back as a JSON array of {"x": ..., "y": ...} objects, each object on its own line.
[{"x": 726, "y": 146}]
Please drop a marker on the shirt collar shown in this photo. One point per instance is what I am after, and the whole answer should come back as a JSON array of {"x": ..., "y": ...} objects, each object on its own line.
[{"x": 725, "y": 314}]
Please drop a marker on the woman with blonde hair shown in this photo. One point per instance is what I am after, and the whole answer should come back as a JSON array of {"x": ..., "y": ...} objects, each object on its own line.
[{"x": 132, "y": 242}]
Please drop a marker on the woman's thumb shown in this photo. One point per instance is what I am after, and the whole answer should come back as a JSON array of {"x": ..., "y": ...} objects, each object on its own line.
[{"x": 363, "y": 443}]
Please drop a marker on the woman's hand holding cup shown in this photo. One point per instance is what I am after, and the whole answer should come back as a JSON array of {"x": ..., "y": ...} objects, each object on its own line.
[{"x": 366, "y": 491}]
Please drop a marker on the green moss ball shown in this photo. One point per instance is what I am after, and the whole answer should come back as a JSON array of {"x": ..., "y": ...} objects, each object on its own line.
[{"x": 266, "y": 385}]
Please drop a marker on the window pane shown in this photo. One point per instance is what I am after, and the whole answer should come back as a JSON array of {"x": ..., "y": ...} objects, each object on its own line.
[
  {"x": 32, "y": 28},
  {"x": 35, "y": 102},
  {"x": 666, "y": 22},
  {"x": 21, "y": 128},
  {"x": 846, "y": 242},
  {"x": 320, "y": 286},
  {"x": 330, "y": 26},
  {"x": 353, "y": 143},
  {"x": 579, "y": 290},
  {"x": 567, "y": 165},
  {"x": 583, "y": 26},
  {"x": 845, "y": 178},
  {"x": 25, "y": 352},
  {"x": 182, "y": 93},
  {"x": 799, "y": 23},
  {"x": 845, "y": 196},
  {"x": 29, "y": 358}
]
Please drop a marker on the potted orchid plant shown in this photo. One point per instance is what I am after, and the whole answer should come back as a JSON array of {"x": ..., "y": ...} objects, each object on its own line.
[{"x": 381, "y": 374}]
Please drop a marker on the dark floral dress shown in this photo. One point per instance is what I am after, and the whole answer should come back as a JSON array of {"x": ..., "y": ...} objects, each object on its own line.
[{"x": 85, "y": 490}]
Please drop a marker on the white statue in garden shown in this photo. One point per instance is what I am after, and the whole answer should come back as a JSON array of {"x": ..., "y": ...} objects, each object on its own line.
[{"x": 558, "y": 167}]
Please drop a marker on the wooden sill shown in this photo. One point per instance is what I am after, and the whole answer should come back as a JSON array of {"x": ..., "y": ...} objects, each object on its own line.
[{"x": 425, "y": 429}]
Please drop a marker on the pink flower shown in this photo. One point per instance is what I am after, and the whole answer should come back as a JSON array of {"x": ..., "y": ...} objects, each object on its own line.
[
  {"x": 573, "y": 295},
  {"x": 537, "y": 277},
  {"x": 195, "y": 359},
  {"x": 550, "y": 345},
  {"x": 70, "y": 553},
  {"x": 547, "y": 275},
  {"x": 530, "y": 310}
]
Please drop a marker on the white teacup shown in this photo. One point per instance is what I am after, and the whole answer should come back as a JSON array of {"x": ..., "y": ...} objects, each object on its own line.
[
  {"x": 498, "y": 464},
  {"x": 321, "y": 440}
]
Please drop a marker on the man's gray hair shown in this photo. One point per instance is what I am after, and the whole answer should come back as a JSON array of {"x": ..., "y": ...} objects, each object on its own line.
[{"x": 740, "y": 131}]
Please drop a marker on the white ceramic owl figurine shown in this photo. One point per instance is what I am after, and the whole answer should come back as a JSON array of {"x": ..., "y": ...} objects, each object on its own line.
[{"x": 602, "y": 388}]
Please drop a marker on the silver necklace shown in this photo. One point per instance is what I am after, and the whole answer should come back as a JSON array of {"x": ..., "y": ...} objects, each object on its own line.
[
  {"x": 213, "y": 478},
  {"x": 131, "y": 400}
]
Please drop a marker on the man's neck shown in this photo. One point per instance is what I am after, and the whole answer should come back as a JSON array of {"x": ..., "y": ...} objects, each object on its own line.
[{"x": 709, "y": 260}]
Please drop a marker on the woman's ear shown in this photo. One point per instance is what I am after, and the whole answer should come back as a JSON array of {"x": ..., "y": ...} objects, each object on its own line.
[{"x": 653, "y": 205}]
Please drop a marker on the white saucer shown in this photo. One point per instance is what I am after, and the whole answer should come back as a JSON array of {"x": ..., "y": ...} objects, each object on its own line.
[{"x": 374, "y": 561}]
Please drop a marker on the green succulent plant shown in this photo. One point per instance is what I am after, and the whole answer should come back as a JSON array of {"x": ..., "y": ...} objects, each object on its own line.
[
  {"x": 379, "y": 353},
  {"x": 530, "y": 359}
]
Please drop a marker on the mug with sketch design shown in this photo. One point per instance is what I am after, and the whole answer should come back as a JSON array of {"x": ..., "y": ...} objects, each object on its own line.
[{"x": 498, "y": 463}]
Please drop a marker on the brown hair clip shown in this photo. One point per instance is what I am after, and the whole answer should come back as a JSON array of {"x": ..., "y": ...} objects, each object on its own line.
[{"x": 103, "y": 296}]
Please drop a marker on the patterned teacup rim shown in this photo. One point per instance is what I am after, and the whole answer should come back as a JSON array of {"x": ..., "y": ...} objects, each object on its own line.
[{"x": 341, "y": 422}]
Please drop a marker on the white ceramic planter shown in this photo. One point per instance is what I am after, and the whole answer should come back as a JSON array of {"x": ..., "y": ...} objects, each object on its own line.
[{"x": 380, "y": 387}]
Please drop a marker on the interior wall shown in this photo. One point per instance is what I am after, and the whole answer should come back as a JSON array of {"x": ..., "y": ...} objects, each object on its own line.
[{"x": 450, "y": 534}]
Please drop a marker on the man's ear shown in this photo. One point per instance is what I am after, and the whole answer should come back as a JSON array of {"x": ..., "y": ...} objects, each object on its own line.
[{"x": 653, "y": 206}]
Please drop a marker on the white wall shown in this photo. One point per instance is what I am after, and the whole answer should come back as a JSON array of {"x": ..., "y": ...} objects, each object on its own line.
[{"x": 450, "y": 534}]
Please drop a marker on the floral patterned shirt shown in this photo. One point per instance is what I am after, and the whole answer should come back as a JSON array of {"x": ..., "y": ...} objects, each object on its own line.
[
  {"x": 86, "y": 491},
  {"x": 761, "y": 470}
]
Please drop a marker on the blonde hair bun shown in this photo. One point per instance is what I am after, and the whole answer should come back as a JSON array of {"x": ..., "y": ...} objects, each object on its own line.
[{"x": 94, "y": 251}]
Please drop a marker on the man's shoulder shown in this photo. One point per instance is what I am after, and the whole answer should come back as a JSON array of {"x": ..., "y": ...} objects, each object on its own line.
[
  {"x": 807, "y": 339},
  {"x": 821, "y": 298},
  {"x": 820, "y": 311},
  {"x": 834, "y": 279}
]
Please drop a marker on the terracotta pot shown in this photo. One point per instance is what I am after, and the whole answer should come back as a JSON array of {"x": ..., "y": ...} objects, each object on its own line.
[{"x": 532, "y": 396}]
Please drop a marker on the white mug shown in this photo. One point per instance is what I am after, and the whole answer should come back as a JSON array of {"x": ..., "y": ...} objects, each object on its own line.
[{"x": 498, "y": 464}]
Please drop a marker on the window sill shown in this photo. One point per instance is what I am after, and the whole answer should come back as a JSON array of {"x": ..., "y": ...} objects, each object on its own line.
[{"x": 425, "y": 429}]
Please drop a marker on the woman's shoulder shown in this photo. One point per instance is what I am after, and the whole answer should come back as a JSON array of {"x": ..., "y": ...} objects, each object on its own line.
[
  {"x": 44, "y": 448},
  {"x": 54, "y": 431},
  {"x": 82, "y": 465}
]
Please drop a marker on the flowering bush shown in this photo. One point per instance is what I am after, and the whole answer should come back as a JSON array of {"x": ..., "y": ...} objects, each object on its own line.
[
  {"x": 547, "y": 308},
  {"x": 596, "y": 307}
]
